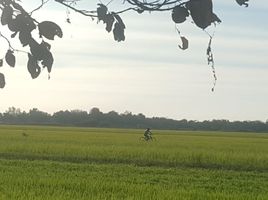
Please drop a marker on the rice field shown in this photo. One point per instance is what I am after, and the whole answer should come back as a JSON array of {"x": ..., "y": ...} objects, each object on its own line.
[{"x": 38, "y": 162}]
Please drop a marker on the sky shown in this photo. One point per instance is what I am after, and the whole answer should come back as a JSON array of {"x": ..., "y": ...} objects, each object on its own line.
[{"x": 148, "y": 73}]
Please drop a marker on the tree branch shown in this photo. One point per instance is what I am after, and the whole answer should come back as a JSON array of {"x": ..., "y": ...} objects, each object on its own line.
[{"x": 39, "y": 7}]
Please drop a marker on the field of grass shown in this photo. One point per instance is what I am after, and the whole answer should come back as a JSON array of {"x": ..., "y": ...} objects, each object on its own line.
[{"x": 86, "y": 163}]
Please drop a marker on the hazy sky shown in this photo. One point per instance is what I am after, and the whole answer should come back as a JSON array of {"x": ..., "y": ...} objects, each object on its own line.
[{"x": 148, "y": 73}]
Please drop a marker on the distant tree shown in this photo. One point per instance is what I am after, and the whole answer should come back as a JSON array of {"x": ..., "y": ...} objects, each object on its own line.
[
  {"x": 13, "y": 111},
  {"x": 95, "y": 112},
  {"x": 96, "y": 118},
  {"x": 21, "y": 24},
  {"x": 10, "y": 114},
  {"x": 36, "y": 116}
]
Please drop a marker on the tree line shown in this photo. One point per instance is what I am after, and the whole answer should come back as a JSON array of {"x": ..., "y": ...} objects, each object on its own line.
[{"x": 112, "y": 119}]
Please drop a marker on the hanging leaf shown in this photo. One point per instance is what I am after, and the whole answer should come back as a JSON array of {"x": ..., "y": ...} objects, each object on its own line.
[
  {"x": 109, "y": 22},
  {"x": 33, "y": 68},
  {"x": 119, "y": 29},
  {"x": 13, "y": 26},
  {"x": 16, "y": 5},
  {"x": 41, "y": 53},
  {"x": 49, "y": 29},
  {"x": 1, "y": 62},
  {"x": 118, "y": 32},
  {"x": 24, "y": 23},
  {"x": 185, "y": 43},
  {"x": 36, "y": 50},
  {"x": 201, "y": 12},
  {"x": 6, "y": 15},
  {"x": 119, "y": 20},
  {"x": 45, "y": 44},
  {"x": 2, "y": 80},
  {"x": 14, "y": 34},
  {"x": 48, "y": 61},
  {"x": 215, "y": 18},
  {"x": 242, "y": 2},
  {"x": 10, "y": 58},
  {"x": 25, "y": 38},
  {"x": 102, "y": 12},
  {"x": 211, "y": 63},
  {"x": 179, "y": 14},
  {"x": 21, "y": 22}
]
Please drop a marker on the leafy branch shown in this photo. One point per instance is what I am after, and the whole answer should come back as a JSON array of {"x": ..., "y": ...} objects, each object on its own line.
[{"x": 20, "y": 23}]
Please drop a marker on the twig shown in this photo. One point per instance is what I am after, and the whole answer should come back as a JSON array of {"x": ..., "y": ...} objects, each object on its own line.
[{"x": 39, "y": 7}]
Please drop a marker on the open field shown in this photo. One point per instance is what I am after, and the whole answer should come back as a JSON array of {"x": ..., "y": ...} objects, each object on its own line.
[{"x": 82, "y": 163}]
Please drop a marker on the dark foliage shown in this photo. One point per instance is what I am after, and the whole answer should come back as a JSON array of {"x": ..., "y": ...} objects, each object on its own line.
[
  {"x": 21, "y": 23},
  {"x": 96, "y": 118}
]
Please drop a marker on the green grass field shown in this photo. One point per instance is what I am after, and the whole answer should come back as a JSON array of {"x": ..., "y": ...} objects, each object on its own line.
[{"x": 87, "y": 163}]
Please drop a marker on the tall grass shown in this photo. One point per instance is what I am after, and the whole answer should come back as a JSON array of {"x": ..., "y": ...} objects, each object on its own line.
[
  {"x": 236, "y": 151},
  {"x": 86, "y": 163}
]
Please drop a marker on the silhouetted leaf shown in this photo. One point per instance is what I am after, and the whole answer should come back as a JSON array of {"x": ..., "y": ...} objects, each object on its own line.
[
  {"x": 2, "y": 80},
  {"x": 48, "y": 61},
  {"x": 24, "y": 23},
  {"x": 7, "y": 2},
  {"x": 179, "y": 14},
  {"x": 102, "y": 12},
  {"x": 17, "y": 6},
  {"x": 109, "y": 22},
  {"x": 33, "y": 67},
  {"x": 242, "y": 2},
  {"x": 45, "y": 44},
  {"x": 211, "y": 63},
  {"x": 13, "y": 26},
  {"x": 6, "y": 15},
  {"x": 37, "y": 49},
  {"x": 21, "y": 22},
  {"x": 185, "y": 43},
  {"x": 118, "y": 32},
  {"x": 201, "y": 12},
  {"x": 1, "y": 62},
  {"x": 49, "y": 30},
  {"x": 14, "y": 34},
  {"x": 215, "y": 18},
  {"x": 25, "y": 38},
  {"x": 119, "y": 20},
  {"x": 41, "y": 52},
  {"x": 10, "y": 58}
]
